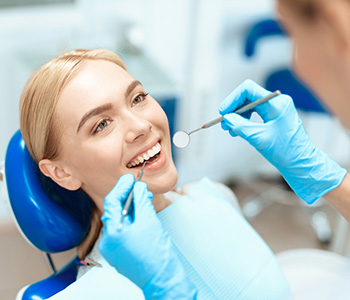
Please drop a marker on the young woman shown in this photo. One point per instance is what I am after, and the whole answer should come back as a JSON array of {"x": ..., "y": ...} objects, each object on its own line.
[{"x": 90, "y": 126}]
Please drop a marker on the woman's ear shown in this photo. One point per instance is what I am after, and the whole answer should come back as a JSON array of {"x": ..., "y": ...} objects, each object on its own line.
[
  {"x": 59, "y": 174},
  {"x": 337, "y": 15}
]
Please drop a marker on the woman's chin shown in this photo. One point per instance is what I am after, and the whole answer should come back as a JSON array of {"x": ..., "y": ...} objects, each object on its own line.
[{"x": 165, "y": 184}]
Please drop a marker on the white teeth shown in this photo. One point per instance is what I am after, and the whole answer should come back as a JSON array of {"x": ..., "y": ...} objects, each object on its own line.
[
  {"x": 145, "y": 156},
  {"x": 152, "y": 152}
]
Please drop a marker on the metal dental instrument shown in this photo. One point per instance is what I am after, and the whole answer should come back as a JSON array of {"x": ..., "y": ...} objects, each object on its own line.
[
  {"x": 129, "y": 199},
  {"x": 181, "y": 138}
]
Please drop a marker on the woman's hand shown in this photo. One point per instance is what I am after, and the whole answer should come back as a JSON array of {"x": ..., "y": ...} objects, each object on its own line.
[
  {"x": 282, "y": 140},
  {"x": 142, "y": 249}
]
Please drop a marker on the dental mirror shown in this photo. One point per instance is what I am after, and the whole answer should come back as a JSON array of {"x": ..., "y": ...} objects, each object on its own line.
[{"x": 181, "y": 138}]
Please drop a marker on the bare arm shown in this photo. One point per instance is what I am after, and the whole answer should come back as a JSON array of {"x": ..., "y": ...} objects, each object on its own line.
[{"x": 340, "y": 197}]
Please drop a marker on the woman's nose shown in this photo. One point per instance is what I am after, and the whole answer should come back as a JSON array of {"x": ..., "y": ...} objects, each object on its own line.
[{"x": 137, "y": 128}]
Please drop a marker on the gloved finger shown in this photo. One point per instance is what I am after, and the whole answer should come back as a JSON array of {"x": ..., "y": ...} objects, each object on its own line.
[
  {"x": 224, "y": 126},
  {"x": 245, "y": 93},
  {"x": 262, "y": 136},
  {"x": 113, "y": 202},
  {"x": 250, "y": 92},
  {"x": 242, "y": 127},
  {"x": 143, "y": 199},
  {"x": 274, "y": 107}
]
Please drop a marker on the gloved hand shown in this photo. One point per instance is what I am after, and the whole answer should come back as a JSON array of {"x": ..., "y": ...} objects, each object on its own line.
[
  {"x": 282, "y": 140},
  {"x": 142, "y": 251}
]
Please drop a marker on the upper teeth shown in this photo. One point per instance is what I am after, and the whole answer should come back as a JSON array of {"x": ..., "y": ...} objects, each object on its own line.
[{"x": 145, "y": 156}]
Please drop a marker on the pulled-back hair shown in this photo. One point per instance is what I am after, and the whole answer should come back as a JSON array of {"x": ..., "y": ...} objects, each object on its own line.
[{"x": 41, "y": 131}]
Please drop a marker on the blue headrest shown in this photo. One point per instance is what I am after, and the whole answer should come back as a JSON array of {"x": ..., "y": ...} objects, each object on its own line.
[{"x": 43, "y": 222}]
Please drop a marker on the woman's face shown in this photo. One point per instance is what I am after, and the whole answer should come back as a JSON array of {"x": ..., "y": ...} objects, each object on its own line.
[
  {"x": 109, "y": 125},
  {"x": 310, "y": 48}
]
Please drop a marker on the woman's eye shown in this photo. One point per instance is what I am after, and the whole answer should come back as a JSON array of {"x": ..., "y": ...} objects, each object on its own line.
[
  {"x": 102, "y": 125},
  {"x": 139, "y": 98}
]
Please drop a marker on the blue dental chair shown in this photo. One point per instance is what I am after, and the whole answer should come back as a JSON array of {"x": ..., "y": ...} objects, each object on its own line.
[
  {"x": 41, "y": 220},
  {"x": 285, "y": 80}
]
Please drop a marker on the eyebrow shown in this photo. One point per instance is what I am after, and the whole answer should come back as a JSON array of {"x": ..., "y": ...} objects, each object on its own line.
[
  {"x": 108, "y": 106},
  {"x": 94, "y": 112},
  {"x": 131, "y": 87}
]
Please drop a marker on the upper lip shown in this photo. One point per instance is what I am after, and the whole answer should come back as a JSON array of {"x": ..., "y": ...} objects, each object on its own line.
[{"x": 144, "y": 149}]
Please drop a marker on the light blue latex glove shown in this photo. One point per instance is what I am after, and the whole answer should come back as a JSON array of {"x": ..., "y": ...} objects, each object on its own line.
[
  {"x": 282, "y": 140},
  {"x": 142, "y": 251}
]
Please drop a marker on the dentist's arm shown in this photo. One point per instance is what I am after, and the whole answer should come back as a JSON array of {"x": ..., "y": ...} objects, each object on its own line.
[
  {"x": 282, "y": 140},
  {"x": 340, "y": 197},
  {"x": 142, "y": 250}
]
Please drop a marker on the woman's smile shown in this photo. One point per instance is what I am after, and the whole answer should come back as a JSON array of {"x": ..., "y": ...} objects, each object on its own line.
[
  {"x": 144, "y": 155},
  {"x": 154, "y": 157}
]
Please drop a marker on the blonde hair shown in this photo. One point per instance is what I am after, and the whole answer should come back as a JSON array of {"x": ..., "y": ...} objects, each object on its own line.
[{"x": 38, "y": 126}]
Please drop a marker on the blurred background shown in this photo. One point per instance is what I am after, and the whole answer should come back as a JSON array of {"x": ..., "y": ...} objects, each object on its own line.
[{"x": 189, "y": 54}]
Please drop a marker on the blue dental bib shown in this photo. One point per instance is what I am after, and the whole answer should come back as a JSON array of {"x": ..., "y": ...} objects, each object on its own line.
[{"x": 221, "y": 253}]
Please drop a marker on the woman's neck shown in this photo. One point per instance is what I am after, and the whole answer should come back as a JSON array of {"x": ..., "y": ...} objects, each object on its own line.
[{"x": 160, "y": 202}]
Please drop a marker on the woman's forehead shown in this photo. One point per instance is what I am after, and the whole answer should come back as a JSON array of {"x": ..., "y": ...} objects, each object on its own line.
[
  {"x": 100, "y": 72},
  {"x": 97, "y": 79},
  {"x": 96, "y": 83}
]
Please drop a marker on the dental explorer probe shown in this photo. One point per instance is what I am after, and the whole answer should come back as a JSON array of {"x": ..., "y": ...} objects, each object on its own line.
[
  {"x": 181, "y": 138},
  {"x": 129, "y": 199}
]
